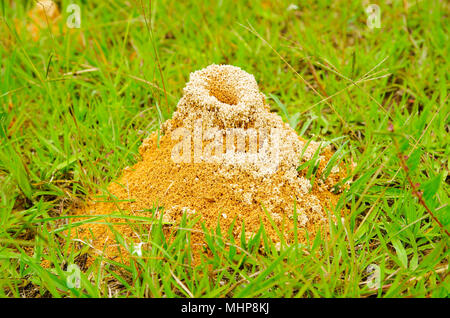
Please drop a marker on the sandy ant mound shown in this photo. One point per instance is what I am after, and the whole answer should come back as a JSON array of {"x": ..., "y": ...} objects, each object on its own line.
[{"x": 223, "y": 157}]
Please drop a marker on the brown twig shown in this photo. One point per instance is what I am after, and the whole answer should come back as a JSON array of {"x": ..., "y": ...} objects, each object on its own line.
[{"x": 414, "y": 186}]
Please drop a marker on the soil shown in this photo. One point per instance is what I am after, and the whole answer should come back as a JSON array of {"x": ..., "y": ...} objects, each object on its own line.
[{"x": 193, "y": 167}]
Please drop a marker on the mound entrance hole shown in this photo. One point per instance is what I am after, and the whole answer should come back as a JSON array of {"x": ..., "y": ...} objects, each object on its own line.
[{"x": 223, "y": 87}]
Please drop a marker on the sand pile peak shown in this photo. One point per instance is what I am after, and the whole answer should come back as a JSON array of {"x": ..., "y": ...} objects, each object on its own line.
[
  {"x": 223, "y": 156},
  {"x": 225, "y": 96},
  {"x": 223, "y": 103}
]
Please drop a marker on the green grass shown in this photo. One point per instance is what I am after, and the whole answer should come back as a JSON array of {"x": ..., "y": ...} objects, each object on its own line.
[{"x": 63, "y": 136}]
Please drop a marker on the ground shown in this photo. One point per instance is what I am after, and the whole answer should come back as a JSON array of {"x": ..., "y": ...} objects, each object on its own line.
[{"x": 76, "y": 103}]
